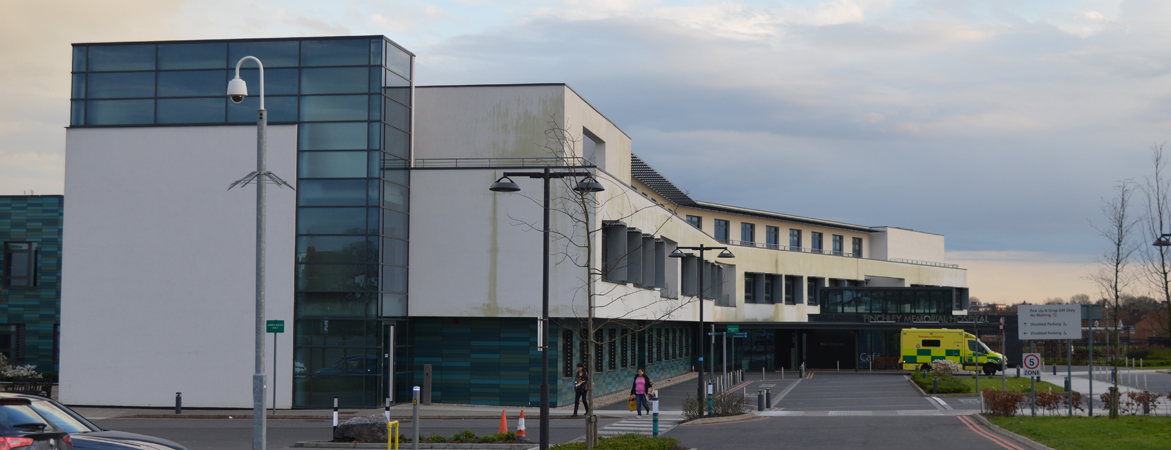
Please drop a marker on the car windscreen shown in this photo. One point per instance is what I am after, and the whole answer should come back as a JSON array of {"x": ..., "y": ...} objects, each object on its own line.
[
  {"x": 12, "y": 415},
  {"x": 63, "y": 418}
]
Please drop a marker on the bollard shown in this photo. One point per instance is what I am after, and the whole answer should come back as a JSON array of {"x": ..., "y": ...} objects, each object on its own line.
[
  {"x": 415, "y": 419},
  {"x": 1055, "y": 369},
  {"x": 762, "y": 374},
  {"x": 802, "y": 370},
  {"x": 335, "y": 416},
  {"x": 387, "y": 409},
  {"x": 1018, "y": 371},
  {"x": 768, "y": 397},
  {"x": 178, "y": 403},
  {"x": 392, "y": 434},
  {"x": 782, "y": 373},
  {"x": 655, "y": 416},
  {"x": 760, "y": 399},
  {"x": 709, "y": 398},
  {"x": 935, "y": 385}
]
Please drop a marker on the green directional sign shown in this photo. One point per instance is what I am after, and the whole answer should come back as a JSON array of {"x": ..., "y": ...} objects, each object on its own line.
[
  {"x": 275, "y": 326},
  {"x": 733, "y": 328}
]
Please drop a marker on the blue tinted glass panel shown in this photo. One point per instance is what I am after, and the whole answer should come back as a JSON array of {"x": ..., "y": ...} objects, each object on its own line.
[
  {"x": 397, "y": 142},
  {"x": 78, "y": 85},
  {"x": 376, "y": 107},
  {"x": 280, "y": 109},
  {"x": 191, "y": 110},
  {"x": 335, "y": 52},
  {"x": 79, "y": 59},
  {"x": 373, "y": 162},
  {"x": 394, "y": 278},
  {"x": 375, "y": 136},
  {"x": 331, "y": 192},
  {"x": 398, "y": 115},
  {"x": 343, "y": 80},
  {"x": 331, "y": 221},
  {"x": 398, "y": 61},
  {"x": 193, "y": 83},
  {"x": 332, "y": 165},
  {"x": 394, "y": 251},
  {"x": 397, "y": 88},
  {"x": 376, "y": 52},
  {"x": 77, "y": 113},
  {"x": 270, "y": 53},
  {"x": 276, "y": 81},
  {"x": 202, "y": 55},
  {"x": 395, "y": 170},
  {"x": 108, "y": 58},
  {"x": 332, "y": 136},
  {"x": 372, "y": 220},
  {"x": 119, "y": 112},
  {"x": 334, "y": 107},
  {"x": 336, "y": 249},
  {"x": 336, "y": 277},
  {"x": 121, "y": 85},
  {"x": 395, "y": 196},
  {"x": 394, "y": 224}
]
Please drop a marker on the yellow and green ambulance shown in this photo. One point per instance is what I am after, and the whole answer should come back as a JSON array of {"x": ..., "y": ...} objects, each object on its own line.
[{"x": 921, "y": 346}]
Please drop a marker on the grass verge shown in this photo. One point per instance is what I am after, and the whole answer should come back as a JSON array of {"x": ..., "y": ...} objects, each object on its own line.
[
  {"x": 624, "y": 442},
  {"x": 1012, "y": 384},
  {"x": 1092, "y": 433}
]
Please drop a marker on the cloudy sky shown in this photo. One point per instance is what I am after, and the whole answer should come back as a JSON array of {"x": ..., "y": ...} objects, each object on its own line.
[{"x": 1000, "y": 124}]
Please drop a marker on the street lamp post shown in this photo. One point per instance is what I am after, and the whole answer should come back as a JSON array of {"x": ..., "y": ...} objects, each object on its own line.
[
  {"x": 237, "y": 90},
  {"x": 505, "y": 184},
  {"x": 678, "y": 253}
]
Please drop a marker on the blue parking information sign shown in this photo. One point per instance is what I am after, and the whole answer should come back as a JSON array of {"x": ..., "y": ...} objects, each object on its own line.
[{"x": 275, "y": 326}]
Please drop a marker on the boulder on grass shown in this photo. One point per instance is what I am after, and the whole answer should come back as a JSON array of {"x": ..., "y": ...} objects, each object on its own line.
[{"x": 362, "y": 429}]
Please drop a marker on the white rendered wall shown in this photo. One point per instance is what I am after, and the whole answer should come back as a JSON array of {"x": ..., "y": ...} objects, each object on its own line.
[
  {"x": 158, "y": 279},
  {"x": 899, "y": 243}
]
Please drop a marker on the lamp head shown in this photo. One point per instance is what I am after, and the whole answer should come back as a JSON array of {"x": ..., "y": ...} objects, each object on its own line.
[
  {"x": 237, "y": 90},
  {"x": 504, "y": 184},
  {"x": 589, "y": 184},
  {"x": 725, "y": 254},
  {"x": 677, "y": 253},
  {"x": 1163, "y": 241}
]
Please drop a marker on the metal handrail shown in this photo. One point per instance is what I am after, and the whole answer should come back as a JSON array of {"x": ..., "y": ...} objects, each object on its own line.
[
  {"x": 500, "y": 162},
  {"x": 833, "y": 253}
]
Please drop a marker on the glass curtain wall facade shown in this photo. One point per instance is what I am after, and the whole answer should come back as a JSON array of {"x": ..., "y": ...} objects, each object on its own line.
[{"x": 351, "y": 99}]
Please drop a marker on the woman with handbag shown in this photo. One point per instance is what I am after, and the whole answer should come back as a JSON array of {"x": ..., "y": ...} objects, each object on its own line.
[
  {"x": 642, "y": 386},
  {"x": 581, "y": 386}
]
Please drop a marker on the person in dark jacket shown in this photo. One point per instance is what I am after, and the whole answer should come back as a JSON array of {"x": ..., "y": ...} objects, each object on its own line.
[
  {"x": 581, "y": 387},
  {"x": 642, "y": 386}
]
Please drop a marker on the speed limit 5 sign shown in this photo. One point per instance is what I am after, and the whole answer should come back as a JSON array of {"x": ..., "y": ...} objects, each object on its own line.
[{"x": 1031, "y": 365}]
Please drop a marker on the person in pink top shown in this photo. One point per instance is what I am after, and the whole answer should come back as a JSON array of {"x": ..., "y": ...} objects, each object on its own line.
[{"x": 642, "y": 386}]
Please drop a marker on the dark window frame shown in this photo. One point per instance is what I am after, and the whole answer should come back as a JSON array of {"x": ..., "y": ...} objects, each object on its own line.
[
  {"x": 721, "y": 230},
  {"x": 29, "y": 257},
  {"x": 747, "y": 233},
  {"x": 772, "y": 236},
  {"x": 794, "y": 239},
  {"x": 695, "y": 221}
]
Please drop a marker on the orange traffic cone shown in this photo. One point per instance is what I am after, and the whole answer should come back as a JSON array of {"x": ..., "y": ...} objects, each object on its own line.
[
  {"x": 520, "y": 426},
  {"x": 503, "y": 423}
]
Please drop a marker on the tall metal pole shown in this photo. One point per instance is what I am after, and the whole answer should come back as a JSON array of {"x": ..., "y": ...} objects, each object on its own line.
[
  {"x": 545, "y": 321},
  {"x": 259, "y": 425},
  {"x": 702, "y": 358}
]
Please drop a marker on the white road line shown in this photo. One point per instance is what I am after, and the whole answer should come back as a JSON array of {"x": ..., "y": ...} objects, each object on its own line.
[{"x": 942, "y": 403}]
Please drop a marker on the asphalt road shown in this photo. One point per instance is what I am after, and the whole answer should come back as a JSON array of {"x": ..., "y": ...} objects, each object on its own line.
[{"x": 215, "y": 434}]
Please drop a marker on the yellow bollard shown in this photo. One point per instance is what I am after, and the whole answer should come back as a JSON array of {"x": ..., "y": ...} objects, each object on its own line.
[{"x": 392, "y": 434}]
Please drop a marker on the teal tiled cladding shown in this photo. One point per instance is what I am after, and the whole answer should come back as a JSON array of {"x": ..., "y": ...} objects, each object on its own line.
[
  {"x": 480, "y": 361},
  {"x": 621, "y": 379},
  {"x": 490, "y": 361},
  {"x": 35, "y": 219}
]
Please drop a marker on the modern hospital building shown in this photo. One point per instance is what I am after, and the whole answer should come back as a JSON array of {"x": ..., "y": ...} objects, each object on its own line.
[{"x": 392, "y": 256}]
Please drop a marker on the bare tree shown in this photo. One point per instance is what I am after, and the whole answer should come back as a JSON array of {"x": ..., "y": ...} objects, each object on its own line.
[
  {"x": 576, "y": 245},
  {"x": 1114, "y": 275},
  {"x": 1079, "y": 299},
  {"x": 1156, "y": 259},
  {"x": 1054, "y": 301}
]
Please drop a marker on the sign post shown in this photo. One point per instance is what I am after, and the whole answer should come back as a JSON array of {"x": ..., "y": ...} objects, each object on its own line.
[
  {"x": 274, "y": 327},
  {"x": 1032, "y": 366}
]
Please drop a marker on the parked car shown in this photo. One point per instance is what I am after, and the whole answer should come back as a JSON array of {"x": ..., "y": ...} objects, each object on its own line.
[
  {"x": 22, "y": 428},
  {"x": 82, "y": 433}
]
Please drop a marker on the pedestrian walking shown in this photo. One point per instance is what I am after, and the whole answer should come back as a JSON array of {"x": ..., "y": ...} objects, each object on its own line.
[
  {"x": 581, "y": 387},
  {"x": 642, "y": 386}
]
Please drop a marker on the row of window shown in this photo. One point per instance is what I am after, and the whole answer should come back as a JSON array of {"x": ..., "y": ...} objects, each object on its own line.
[
  {"x": 889, "y": 301},
  {"x": 772, "y": 236},
  {"x": 212, "y": 83},
  {"x": 616, "y": 349},
  {"x": 224, "y": 55}
]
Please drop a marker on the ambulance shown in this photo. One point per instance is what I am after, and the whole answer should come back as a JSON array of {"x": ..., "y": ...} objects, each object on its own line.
[{"x": 921, "y": 346}]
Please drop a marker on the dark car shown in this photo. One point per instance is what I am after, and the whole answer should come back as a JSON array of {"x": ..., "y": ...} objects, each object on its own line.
[
  {"x": 22, "y": 428},
  {"x": 83, "y": 433}
]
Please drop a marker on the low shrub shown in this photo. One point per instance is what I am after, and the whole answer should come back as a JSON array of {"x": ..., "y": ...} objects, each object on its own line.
[
  {"x": 1004, "y": 404},
  {"x": 948, "y": 384},
  {"x": 624, "y": 442},
  {"x": 723, "y": 405}
]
